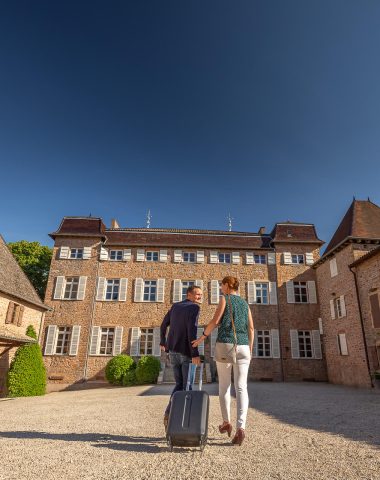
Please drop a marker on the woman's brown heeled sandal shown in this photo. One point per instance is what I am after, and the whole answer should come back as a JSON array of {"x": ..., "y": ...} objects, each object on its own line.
[
  {"x": 226, "y": 427},
  {"x": 239, "y": 437}
]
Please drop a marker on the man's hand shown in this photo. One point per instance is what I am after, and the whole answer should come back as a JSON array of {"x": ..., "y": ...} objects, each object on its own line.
[
  {"x": 196, "y": 360},
  {"x": 162, "y": 348}
]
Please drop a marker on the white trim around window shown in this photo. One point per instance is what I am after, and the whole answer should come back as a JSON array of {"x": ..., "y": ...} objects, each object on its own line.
[{"x": 70, "y": 288}]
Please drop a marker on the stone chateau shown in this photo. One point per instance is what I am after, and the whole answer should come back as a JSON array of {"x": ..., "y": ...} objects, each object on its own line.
[{"x": 316, "y": 318}]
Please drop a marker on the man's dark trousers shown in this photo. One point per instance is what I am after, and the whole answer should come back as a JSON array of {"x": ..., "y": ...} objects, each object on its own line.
[{"x": 180, "y": 364}]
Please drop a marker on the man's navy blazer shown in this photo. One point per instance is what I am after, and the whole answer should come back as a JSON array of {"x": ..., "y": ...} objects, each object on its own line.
[{"x": 182, "y": 319}]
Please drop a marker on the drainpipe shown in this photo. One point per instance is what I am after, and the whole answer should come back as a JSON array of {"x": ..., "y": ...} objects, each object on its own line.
[
  {"x": 279, "y": 322},
  {"x": 362, "y": 325},
  {"x": 91, "y": 319}
]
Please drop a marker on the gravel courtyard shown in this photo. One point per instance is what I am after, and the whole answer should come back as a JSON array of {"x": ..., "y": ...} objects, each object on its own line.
[{"x": 295, "y": 431}]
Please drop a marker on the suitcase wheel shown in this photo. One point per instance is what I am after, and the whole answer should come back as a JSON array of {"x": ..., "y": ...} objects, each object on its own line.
[{"x": 170, "y": 445}]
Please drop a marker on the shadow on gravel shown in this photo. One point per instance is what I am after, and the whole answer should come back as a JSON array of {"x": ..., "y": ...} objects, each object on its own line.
[{"x": 348, "y": 412}]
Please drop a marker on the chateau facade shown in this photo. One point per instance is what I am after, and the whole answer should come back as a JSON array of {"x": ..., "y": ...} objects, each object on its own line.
[{"x": 109, "y": 289}]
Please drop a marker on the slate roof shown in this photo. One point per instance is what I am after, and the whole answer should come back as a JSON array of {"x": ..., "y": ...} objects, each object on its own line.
[
  {"x": 361, "y": 221},
  {"x": 13, "y": 280},
  {"x": 290, "y": 232},
  {"x": 7, "y": 336},
  {"x": 82, "y": 226}
]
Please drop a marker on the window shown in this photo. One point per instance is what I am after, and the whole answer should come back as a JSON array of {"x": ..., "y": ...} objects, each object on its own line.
[
  {"x": 151, "y": 256},
  {"x": 342, "y": 344},
  {"x": 112, "y": 289},
  {"x": 224, "y": 257},
  {"x": 116, "y": 255},
  {"x": 63, "y": 341},
  {"x": 300, "y": 292},
  {"x": 260, "y": 259},
  {"x": 76, "y": 253},
  {"x": 375, "y": 310},
  {"x": 189, "y": 257},
  {"x": 298, "y": 259},
  {"x": 185, "y": 285},
  {"x": 261, "y": 293},
  {"x": 338, "y": 307},
  {"x": 146, "y": 341},
  {"x": 106, "y": 340},
  {"x": 71, "y": 288},
  {"x": 150, "y": 290},
  {"x": 304, "y": 344},
  {"x": 263, "y": 343}
]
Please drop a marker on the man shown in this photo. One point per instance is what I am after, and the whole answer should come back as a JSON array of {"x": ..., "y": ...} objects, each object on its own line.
[{"x": 182, "y": 319}]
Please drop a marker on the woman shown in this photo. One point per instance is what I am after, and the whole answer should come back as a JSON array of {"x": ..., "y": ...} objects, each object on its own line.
[{"x": 242, "y": 318}]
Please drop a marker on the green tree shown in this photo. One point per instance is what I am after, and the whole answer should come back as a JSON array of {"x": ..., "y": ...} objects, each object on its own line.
[
  {"x": 27, "y": 376},
  {"x": 34, "y": 259}
]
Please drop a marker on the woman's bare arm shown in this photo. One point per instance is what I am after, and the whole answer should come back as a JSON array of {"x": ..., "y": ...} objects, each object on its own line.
[{"x": 214, "y": 322}]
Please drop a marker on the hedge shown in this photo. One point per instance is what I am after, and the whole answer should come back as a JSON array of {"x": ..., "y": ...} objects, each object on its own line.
[
  {"x": 147, "y": 369},
  {"x": 118, "y": 367}
]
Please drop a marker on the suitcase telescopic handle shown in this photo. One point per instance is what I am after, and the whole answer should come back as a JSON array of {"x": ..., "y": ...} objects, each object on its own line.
[{"x": 191, "y": 376}]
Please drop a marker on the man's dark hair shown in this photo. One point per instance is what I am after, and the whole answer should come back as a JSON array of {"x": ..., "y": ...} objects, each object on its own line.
[{"x": 192, "y": 288}]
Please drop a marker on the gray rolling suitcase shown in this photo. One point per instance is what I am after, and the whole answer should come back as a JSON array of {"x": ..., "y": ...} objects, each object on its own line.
[{"x": 188, "y": 418}]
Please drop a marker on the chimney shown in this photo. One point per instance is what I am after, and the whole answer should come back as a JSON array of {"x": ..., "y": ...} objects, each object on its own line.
[
  {"x": 114, "y": 223},
  {"x": 261, "y": 230}
]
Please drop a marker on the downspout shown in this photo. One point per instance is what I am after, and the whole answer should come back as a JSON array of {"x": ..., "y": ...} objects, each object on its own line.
[
  {"x": 91, "y": 320},
  {"x": 278, "y": 321},
  {"x": 362, "y": 325}
]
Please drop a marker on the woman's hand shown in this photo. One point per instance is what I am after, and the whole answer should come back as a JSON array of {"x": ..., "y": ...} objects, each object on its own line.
[{"x": 196, "y": 342}]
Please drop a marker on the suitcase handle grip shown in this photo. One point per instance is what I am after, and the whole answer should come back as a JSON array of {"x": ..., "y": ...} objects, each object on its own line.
[{"x": 191, "y": 376}]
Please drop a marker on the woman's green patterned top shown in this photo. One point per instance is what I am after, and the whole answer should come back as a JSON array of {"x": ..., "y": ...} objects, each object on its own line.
[{"x": 240, "y": 314}]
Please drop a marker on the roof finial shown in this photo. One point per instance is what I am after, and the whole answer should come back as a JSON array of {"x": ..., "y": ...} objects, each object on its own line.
[
  {"x": 148, "y": 219},
  {"x": 369, "y": 199},
  {"x": 229, "y": 218},
  {"x": 354, "y": 198}
]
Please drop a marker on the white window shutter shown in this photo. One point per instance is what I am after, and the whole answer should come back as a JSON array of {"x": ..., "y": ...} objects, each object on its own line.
[
  {"x": 236, "y": 257},
  {"x": 287, "y": 258},
  {"x": 214, "y": 336},
  {"x": 199, "y": 283},
  {"x": 140, "y": 255},
  {"x": 333, "y": 268},
  {"x": 309, "y": 258},
  {"x": 51, "y": 336},
  {"x": 343, "y": 306},
  {"x": 163, "y": 255},
  {"x": 95, "y": 341},
  {"x": 312, "y": 293},
  {"x": 103, "y": 253},
  {"x": 160, "y": 290},
  {"x": 317, "y": 349},
  {"x": 249, "y": 258},
  {"x": 251, "y": 292},
  {"x": 290, "y": 292},
  {"x": 200, "y": 256},
  {"x": 87, "y": 253},
  {"x": 135, "y": 342},
  {"x": 275, "y": 343},
  {"x": 177, "y": 291},
  {"x": 64, "y": 252},
  {"x": 101, "y": 289},
  {"x": 332, "y": 309},
  {"x": 272, "y": 293},
  {"x": 123, "y": 289},
  {"x": 343, "y": 344},
  {"x": 74, "y": 342},
  {"x": 117, "y": 341},
  {"x": 320, "y": 325},
  {"x": 156, "y": 342},
  {"x": 81, "y": 288},
  {"x": 127, "y": 254},
  {"x": 214, "y": 292},
  {"x": 59, "y": 288},
  {"x": 178, "y": 256},
  {"x": 213, "y": 257},
  {"x": 271, "y": 258},
  {"x": 255, "y": 344},
  {"x": 139, "y": 290},
  {"x": 294, "y": 344},
  {"x": 201, "y": 346}
]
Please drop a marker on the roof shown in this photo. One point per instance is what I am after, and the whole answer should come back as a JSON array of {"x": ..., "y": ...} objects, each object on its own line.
[
  {"x": 365, "y": 257},
  {"x": 11, "y": 337},
  {"x": 82, "y": 226},
  {"x": 361, "y": 221},
  {"x": 292, "y": 232},
  {"x": 13, "y": 280}
]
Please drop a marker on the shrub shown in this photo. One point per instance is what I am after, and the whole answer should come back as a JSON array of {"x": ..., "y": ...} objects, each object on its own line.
[
  {"x": 117, "y": 367},
  {"x": 27, "y": 376},
  {"x": 129, "y": 379},
  {"x": 147, "y": 369}
]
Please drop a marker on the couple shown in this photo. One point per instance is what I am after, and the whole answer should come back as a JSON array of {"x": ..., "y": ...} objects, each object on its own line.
[{"x": 182, "y": 345}]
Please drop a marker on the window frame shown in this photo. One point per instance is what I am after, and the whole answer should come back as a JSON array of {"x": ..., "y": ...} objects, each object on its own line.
[
  {"x": 66, "y": 339},
  {"x": 303, "y": 335},
  {"x": 145, "y": 334},
  {"x": 184, "y": 254},
  {"x": 70, "y": 280},
  {"x": 297, "y": 285},
  {"x": 261, "y": 256},
  {"x": 118, "y": 253},
  {"x": 223, "y": 256},
  {"x": 155, "y": 286},
  {"x": 266, "y": 284},
  {"x": 79, "y": 252},
  {"x": 152, "y": 254},
  {"x": 298, "y": 257},
  {"x": 108, "y": 333},
  {"x": 265, "y": 344},
  {"x": 114, "y": 283}
]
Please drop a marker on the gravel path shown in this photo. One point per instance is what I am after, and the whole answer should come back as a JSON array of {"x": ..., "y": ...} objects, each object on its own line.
[{"x": 295, "y": 431}]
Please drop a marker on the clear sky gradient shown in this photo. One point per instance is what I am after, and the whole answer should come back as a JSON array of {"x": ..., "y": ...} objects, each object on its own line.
[{"x": 269, "y": 110}]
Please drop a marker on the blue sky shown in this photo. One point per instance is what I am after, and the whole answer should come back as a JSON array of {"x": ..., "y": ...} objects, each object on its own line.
[{"x": 265, "y": 109}]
